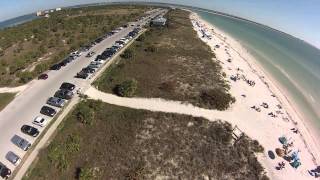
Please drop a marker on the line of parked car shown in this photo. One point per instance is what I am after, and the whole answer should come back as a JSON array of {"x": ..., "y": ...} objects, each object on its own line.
[
  {"x": 59, "y": 100},
  {"x": 65, "y": 92},
  {"x": 106, "y": 55}
]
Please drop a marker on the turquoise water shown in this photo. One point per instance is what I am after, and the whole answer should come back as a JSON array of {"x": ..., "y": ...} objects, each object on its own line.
[{"x": 292, "y": 62}]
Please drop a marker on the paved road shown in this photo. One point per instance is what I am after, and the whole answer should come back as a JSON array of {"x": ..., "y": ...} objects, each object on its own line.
[{"x": 26, "y": 106}]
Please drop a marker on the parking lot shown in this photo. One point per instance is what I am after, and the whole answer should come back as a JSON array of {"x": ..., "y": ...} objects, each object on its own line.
[{"x": 77, "y": 70}]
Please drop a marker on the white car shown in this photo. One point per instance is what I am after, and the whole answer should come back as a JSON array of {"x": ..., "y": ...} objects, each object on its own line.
[
  {"x": 124, "y": 40},
  {"x": 40, "y": 121},
  {"x": 118, "y": 45},
  {"x": 98, "y": 63}
]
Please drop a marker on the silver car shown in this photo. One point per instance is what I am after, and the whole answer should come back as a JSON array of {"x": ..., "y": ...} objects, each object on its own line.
[
  {"x": 20, "y": 142},
  {"x": 13, "y": 158}
]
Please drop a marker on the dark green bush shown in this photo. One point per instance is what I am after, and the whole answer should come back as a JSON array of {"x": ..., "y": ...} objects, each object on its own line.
[
  {"x": 84, "y": 113},
  {"x": 25, "y": 76},
  {"x": 216, "y": 98},
  {"x": 127, "y": 54},
  {"x": 151, "y": 49},
  {"x": 126, "y": 88},
  {"x": 141, "y": 37}
]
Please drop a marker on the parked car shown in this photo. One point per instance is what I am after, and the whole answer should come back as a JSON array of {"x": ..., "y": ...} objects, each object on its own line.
[
  {"x": 63, "y": 63},
  {"x": 13, "y": 158},
  {"x": 55, "y": 101},
  {"x": 68, "y": 86},
  {"x": 76, "y": 53},
  {"x": 88, "y": 70},
  {"x": 4, "y": 171},
  {"x": 43, "y": 76},
  {"x": 40, "y": 121},
  {"x": 96, "y": 63},
  {"x": 46, "y": 110},
  {"x": 94, "y": 66},
  {"x": 29, "y": 130},
  {"x": 90, "y": 54},
  {"x": 64, "y": 94},
  {"x": 55, "y": 67},
  {"x": 82, "y": 75},
  {"x": 20, "y": 142}
]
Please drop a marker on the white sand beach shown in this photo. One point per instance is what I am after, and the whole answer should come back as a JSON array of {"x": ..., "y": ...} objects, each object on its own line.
[{"x": 258, "y": 122}]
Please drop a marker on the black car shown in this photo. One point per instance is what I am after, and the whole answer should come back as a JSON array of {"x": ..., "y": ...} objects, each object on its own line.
[
  {"x": 67, "y": 86},
  {"x": 63, "y": 63},
  {"x": 46, "y": 110},
  {"x": 82, "y": 75},
  {"x": 30, "y": 130},
  {"x": 4, "y": 171},
  {"x": 55, "y": 67},
  {"x": 88, "y": 70},
  {"x": 64, "y": 94}
]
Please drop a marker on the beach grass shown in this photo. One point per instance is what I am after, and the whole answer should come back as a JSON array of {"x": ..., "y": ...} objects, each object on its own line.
[
  {"x": 172, "y": 63},
  {"x": 120, "y": 143},
  {"x": 5, "y": 99}
]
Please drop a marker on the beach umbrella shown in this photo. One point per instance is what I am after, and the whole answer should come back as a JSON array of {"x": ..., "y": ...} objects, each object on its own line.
[{"x": 280, "y": 152}]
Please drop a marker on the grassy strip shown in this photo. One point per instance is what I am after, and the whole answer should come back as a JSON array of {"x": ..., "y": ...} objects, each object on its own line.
[{"x": 5, "y": 99}]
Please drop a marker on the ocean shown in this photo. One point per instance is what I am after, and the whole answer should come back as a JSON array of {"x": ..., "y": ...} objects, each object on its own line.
[
  {"x": 293, "y": 63},
  {"x": 18, "y": 20}
]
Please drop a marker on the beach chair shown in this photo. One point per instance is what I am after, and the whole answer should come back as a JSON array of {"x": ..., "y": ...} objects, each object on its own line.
[{"x": 295, "y": 164}]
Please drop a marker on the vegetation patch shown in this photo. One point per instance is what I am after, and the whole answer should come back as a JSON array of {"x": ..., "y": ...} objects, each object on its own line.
[
  {"x": 31, "y": 48},
  {"x": 135, "y": 144},
  {"x": 126, "y": 88},
  {"x": 173, "y": 63},
  {"x": 5, "y": 99}
]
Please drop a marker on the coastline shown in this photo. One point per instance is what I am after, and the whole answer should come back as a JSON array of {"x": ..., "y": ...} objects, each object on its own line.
[{"x": 306, "y": 136}]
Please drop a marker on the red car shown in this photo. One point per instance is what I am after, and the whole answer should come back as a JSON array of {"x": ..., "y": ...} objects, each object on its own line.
[{"x": 43, "y": 76}]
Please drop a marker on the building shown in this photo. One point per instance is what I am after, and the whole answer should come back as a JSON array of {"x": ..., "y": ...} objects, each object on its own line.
[
  {"x": 159, "y": 21},
  {"x": 39, "y": 13},
  {"x": 58, "y": 9}
]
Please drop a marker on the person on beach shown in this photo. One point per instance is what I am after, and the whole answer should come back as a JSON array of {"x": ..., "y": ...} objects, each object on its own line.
[{"x": 315, "y": 172}]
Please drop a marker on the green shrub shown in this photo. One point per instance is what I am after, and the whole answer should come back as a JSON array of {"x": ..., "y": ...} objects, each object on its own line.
[
  {"x": 57, "y": 156},
  {"x": 73, "y": 143},
  {"x": 127, "y": 54},
  {"x": 40, "y": 68},
  {"x": 126, "y": 88},
  {"x": 151, "y": 49},
  {"x": 256, "y": 147},
  {"x": 25, "y": 76},
  {"x": 84, "y": 114},
  {"x": 216, "y": 98},
  {"x": 142, "y": 37},
  {"x": 88, "y": 173}
]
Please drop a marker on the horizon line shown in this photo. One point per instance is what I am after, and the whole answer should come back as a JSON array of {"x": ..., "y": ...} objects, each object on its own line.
[{"x": 179, "y": 6}]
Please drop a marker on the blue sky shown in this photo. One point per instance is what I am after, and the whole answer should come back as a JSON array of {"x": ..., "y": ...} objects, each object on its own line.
[{"x": 300, "y": 18}]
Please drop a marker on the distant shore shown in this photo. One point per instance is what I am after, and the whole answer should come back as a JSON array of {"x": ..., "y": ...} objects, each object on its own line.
[{"x": 304, "y": 140}]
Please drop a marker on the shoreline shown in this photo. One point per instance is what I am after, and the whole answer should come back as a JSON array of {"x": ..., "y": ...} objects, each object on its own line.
[{"x": 293, "y": 115}]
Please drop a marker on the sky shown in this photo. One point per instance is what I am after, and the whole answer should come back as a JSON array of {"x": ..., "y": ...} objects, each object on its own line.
[{"x": 300, "y": 18}]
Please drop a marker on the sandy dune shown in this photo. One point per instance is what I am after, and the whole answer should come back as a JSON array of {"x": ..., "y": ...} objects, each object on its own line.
[{"x": 266, "y": 124}]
